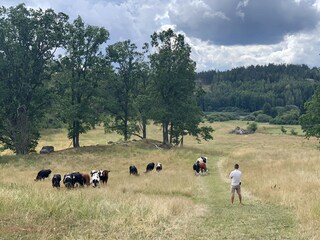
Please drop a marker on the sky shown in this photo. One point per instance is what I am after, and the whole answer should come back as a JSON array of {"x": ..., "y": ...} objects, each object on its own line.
[{"x": 223, "y": 34}]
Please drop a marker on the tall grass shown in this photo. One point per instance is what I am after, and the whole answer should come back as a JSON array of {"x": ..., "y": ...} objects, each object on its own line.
[
  {"x": 280, "y": 180},
  {"x": 280, "y": 169}
]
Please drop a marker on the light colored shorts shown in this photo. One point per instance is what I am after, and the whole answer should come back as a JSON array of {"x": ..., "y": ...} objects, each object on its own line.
[{"x": 236, "y": 188}]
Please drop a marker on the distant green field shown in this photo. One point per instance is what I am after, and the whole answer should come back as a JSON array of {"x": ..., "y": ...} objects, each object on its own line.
[{"x": 279, "y": 176}]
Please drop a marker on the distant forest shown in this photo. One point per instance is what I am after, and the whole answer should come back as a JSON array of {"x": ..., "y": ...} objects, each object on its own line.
[{"x": 252, "y": 88}]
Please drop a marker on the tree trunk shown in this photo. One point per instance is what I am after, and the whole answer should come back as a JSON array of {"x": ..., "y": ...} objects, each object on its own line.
[
  {"x": 75, "y": 137},
  {"x": 165, "y": 133},
  {"x": 144, "y": 128},
  {"x": 22, "y": 131},
  {"x": 171, "y": 132}
]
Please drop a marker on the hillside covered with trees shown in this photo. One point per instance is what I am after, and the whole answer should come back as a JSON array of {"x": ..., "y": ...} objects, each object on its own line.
[
  {"x": 249, "y": 88},
  {"x": 272, "y": 93}
]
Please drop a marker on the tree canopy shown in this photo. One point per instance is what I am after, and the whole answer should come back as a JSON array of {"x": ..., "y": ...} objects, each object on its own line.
[
  {"x": 310, "y": 121},
  {"x": 28, "y": 40}
]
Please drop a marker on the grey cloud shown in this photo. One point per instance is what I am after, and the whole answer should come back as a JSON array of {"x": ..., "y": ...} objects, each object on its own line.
[{"x": 243, "y": 22}]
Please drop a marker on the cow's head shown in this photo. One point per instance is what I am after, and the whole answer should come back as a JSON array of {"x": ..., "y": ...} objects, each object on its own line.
[{"x": 67, "y": 180}]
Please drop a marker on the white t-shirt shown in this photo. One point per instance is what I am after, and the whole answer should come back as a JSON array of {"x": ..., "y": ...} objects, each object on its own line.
[{"x": 235, "y": 176}]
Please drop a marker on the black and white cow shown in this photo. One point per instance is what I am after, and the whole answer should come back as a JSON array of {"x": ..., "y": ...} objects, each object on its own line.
[
  {"x": 72, "y": 180},
  {"x": 95, "y": 178},
  {"x": 67, "y": 181},
  {"x": 42, "y": 174},
  {"x": 158, "y": 167},
  {"x": 196, "y": 168},
  {"x": 56, "y": 180},
  {"x": 133, "y": 170},
  {"x": 202, "y": 159},
  {"x": 149, "y": 167}
]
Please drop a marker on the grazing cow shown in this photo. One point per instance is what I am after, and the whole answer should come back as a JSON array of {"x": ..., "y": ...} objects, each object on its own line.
[
  {"x": 203, "y": 168},
  {"x": 72, "y": 180},
  {"x": 158, "y": 167},
  {"x": 77, "y": 179},
  {"x": 203, "y": 159},
  {"x": 95, "y": 178},
  {"x": 149, "y": 167},
  {"x": 199, "y": 167},
  {"x": 42, "y": 174},
  {"x": 86, "y": 179},
  {"x": 67, "y": 181},
  {"x": 133, "y": 170},
  {"x": 196, "y": 168},
  {"x": 56, "y": 180},
  {"x": 104, "y": 175}
]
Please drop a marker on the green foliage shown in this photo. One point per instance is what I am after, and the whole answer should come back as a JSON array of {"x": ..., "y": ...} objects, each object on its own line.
[
  {"x": 310, "y": 121},
  {"x": 283, "y": 130},
  {"x": 255, "y": 87},
  {"x": 173, "y": 86},
  {"x": 28, "y": 41},
  {"x": 288, "y": 117},
  {"x": 221, "y": 116},
  {"x": 267, "y": 109},
  {"x": 293, "y": 132},
  {"x": 263, "y": 118},
  {"x": 283, "y": 115},
  {"x": 122, "y": 91},
  {"x": 252, "y": 127},
  {"x": 81, "y": 70}
]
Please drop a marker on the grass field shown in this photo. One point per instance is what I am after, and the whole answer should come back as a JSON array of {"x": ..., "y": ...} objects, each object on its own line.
[{"x": 280, "y": 181}]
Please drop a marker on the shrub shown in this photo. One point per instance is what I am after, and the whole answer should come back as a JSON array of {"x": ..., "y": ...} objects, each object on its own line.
[
  {"x": 263, "y": 118},
  {"x": 283, "y": 130},
  {"x": 293, "y": 132},
  {"x": 252, "y": 127}
]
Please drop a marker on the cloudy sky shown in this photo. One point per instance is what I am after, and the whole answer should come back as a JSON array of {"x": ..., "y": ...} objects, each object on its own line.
[{"x": 223, "y": 34}]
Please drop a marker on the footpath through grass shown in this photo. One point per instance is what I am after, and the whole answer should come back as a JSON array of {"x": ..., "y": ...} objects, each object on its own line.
[{"x": 251, "y": 220}]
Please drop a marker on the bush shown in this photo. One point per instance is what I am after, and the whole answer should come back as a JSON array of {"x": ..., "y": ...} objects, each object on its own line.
[
  {"x": 252, "y": 127},
  {"x": 263, "y": 118},
  {"x": 293, "y": 132},
  {"x": 291, "y": 117},
  {"x": 283, "y": 130}
]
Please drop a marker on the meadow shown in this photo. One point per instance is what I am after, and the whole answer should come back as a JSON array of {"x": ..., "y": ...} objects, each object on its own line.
[{"x": 279, "y": 184}]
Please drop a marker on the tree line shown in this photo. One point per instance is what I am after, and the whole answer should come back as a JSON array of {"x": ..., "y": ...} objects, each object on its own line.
[
  {"x": 91, "y": 82},
  {"x": 250, "y": 88}
]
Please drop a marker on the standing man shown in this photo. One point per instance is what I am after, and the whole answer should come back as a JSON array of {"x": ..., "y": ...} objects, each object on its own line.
[{"x": 235, "y": 176}]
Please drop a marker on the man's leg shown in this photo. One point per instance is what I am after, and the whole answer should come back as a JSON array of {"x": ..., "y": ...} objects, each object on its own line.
[
  {"x": 239, "y": 194},
  {"x": 232, "y": 198}
]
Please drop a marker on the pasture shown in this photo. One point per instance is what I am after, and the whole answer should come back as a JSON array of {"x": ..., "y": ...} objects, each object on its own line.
[{"x": 279, "y": 186}]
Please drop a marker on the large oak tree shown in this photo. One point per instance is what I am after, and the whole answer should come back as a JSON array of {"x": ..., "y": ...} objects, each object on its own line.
[{"x": 28, "y": 40}]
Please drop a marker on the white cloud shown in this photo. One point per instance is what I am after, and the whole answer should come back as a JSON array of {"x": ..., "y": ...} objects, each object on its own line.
[{"x": 138, "y": 19}]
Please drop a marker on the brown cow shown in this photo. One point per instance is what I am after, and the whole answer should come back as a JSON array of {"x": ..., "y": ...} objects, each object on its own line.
[
  {"x": 200, "y": 168},
  {"x": 104, "y": 175},
  {"x": 203, "y": 168},
  {"x": 86, "y": 179}
]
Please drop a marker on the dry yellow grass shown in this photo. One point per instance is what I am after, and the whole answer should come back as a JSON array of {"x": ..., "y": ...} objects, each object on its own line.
[{"x": 280, "y": 170}]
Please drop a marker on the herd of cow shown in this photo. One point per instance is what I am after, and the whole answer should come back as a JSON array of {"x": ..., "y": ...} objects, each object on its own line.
[
  {"x": 96, "y": 177},
  {"x": 71, "y": 180}
]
